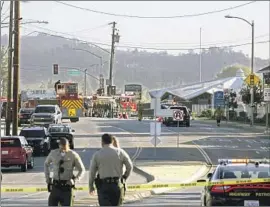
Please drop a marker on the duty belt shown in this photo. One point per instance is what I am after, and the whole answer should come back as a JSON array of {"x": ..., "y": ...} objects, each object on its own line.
[
  {"x": 110, "y": 180},
  {"x": 61, "y": 183}
]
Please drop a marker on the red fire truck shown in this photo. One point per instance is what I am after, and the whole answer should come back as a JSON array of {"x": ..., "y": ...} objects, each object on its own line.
[
  {"x": 70, "y": 102},
  {"x": 128, "y": 103}
]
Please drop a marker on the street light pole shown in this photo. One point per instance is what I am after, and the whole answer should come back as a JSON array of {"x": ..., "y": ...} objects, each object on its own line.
[
  {"x": 85, "y": 81},
  {"x": 252, "y": 65}
]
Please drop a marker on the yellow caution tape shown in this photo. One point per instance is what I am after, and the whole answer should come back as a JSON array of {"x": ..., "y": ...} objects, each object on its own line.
[{"x": 144, "y": 186}]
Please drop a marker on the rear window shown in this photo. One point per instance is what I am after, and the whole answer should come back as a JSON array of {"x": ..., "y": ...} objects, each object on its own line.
[
  {"x": 27, "y": 111},
  {"x": 242, "y": 172},
  {"x": 45, "y": 109},
  {"x": 59, "y": 129},
  {"x": 10, "y": 143},
  {"x": 180, "y": 108},
  {"x": 32, "y": 133}
]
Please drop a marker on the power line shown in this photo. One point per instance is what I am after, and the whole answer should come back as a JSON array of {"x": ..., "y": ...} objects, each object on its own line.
[
  {"x": 136, "y": 46},
  {"x": 153, "y": 48},
  {"x": 156, "y": 17}
]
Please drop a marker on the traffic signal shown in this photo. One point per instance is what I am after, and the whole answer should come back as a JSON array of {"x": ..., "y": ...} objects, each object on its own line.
[{"x": 55, "y": 69}]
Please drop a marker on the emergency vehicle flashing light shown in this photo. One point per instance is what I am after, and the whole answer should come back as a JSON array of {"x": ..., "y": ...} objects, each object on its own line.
[{"x": 231, "y": 161}]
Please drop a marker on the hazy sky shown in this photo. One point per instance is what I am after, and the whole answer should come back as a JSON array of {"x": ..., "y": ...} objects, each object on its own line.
[{"x": 157, "y": 33}]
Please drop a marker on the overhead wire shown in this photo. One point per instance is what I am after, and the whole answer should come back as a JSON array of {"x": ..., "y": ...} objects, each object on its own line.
[
  {"x": 154, "y": 48},
  {"x": 156, "y": 17}
]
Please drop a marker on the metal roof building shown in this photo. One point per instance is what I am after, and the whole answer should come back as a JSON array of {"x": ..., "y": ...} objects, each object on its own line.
[{"x": 191, "y": 91}]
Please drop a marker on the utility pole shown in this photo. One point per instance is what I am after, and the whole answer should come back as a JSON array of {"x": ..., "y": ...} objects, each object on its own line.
[
  {"x": 200, "y": 55},
  {"x": 115, "y": 38},
  {"x": 85, "y": 70},
  {"x": 10, "y": 52},
  {"x": 16, "y": 62},
  {"x": 252, "y": 73}
]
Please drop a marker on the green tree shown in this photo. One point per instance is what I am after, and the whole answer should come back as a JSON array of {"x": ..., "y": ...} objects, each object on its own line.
[
  {"x": 4, "y": 70},
  {"x": 246, "y": 95},
  {"x": 145, "y": 96},
  {"x": 230, "y": 71}
]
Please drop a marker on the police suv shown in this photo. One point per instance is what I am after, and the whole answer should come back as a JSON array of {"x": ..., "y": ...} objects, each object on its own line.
[{"x": 246, "y": 194}]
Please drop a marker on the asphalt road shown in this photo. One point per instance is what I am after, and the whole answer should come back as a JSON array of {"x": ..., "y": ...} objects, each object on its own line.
[{"x": 200, "y": 142}]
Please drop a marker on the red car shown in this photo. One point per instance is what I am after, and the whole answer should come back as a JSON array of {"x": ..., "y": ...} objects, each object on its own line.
[{"x": 15, "y": 151}]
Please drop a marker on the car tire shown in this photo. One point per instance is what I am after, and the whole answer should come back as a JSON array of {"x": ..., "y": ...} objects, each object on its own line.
[
  {"x": 31, "y": 163},
  {"x": 24, "y": 166}
]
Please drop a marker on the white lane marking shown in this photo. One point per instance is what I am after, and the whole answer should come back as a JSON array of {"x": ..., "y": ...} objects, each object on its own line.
[
  {"x": 249, "y": 146},
  {"x": 257, "y": 152}
]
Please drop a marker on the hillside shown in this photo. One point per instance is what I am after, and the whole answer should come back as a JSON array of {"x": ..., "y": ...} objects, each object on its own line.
[{"x": 39, "y": 53}]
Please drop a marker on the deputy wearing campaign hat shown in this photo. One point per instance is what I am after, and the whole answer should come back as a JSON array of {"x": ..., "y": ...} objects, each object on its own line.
[{"x": 64, "y": 161}]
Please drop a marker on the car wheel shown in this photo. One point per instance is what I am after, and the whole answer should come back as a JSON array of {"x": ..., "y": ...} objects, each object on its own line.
[
  {"x": 24, "y": 166},
  {"x": 31, "y": 163}
]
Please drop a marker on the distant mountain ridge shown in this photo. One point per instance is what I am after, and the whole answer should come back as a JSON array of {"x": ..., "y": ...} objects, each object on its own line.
[{"x": 153, "y": 70}]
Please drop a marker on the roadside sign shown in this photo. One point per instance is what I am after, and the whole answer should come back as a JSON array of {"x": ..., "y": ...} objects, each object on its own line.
[
  {"x": 74, "y": 72},
  {"x": 219, "y": 99},
  {"x": 252, "y": 80},
  {"x": 155, "y": 141},
  {"x": 266, "y": 94},
  {"x": 178, "y": 115}
]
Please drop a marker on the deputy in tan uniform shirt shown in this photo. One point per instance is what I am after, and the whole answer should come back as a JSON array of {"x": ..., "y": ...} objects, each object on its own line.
[
  {"x": 108, "y": 163},
  {"x": 63, "y": 160}
]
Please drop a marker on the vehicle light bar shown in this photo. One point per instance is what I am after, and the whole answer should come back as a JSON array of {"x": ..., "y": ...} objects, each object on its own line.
[{"x": 230, "y": 161}]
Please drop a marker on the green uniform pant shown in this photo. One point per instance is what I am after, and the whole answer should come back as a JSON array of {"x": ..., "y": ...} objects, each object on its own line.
[
  {"x": 62, "y": 196},
  {"x": 111, "y": 194}
]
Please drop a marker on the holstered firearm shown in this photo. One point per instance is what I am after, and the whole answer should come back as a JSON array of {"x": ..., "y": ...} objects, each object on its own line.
[
  {"x": 49, "y": 185},
  {"x": 73, "y": 186},
  {"x": 97, "y": 182}
]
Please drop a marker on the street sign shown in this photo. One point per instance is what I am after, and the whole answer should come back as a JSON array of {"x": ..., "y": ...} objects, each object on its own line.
[
  {"x": 155, "y": 127},
  {"x": 219, "y": 99},
  {"x": 178, "y": 115},
  {"x": 74, "y": 72},
  {"x": 155, "y": 141},
  {"x": 252, "y": 80},
  {"x": 266, "y": 94}
]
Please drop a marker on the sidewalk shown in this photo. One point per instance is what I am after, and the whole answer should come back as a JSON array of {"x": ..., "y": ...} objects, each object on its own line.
[
  {"x": 163, "y": 172},
  {"x": 235, "y": 124}
]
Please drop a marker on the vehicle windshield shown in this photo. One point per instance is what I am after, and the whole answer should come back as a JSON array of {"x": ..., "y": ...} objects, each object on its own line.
[
  {"x": 10, "y": 142},
  {"x": 32, "y": 133},
  {"x": 44, "y": 109},
  {"x": 26, "y": 111},
  {"x": 59, "y": 129},
  {"x": 242, "y": 172}
]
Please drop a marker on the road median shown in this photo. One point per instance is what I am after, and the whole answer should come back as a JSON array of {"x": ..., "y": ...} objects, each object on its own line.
[{"x": 158, "y": 172}]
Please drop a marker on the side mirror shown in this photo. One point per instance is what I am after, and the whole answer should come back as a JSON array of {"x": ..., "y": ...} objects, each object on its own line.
[
  {"x": 72, "y": 130},
  {"x": 209, "y": 175},
  {"x": 58, "y": 112},
  {"x": 201, "y": 181}
]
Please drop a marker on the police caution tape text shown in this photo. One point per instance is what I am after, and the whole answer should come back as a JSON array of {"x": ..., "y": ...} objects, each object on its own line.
[{"x": 145, "y": 186}]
